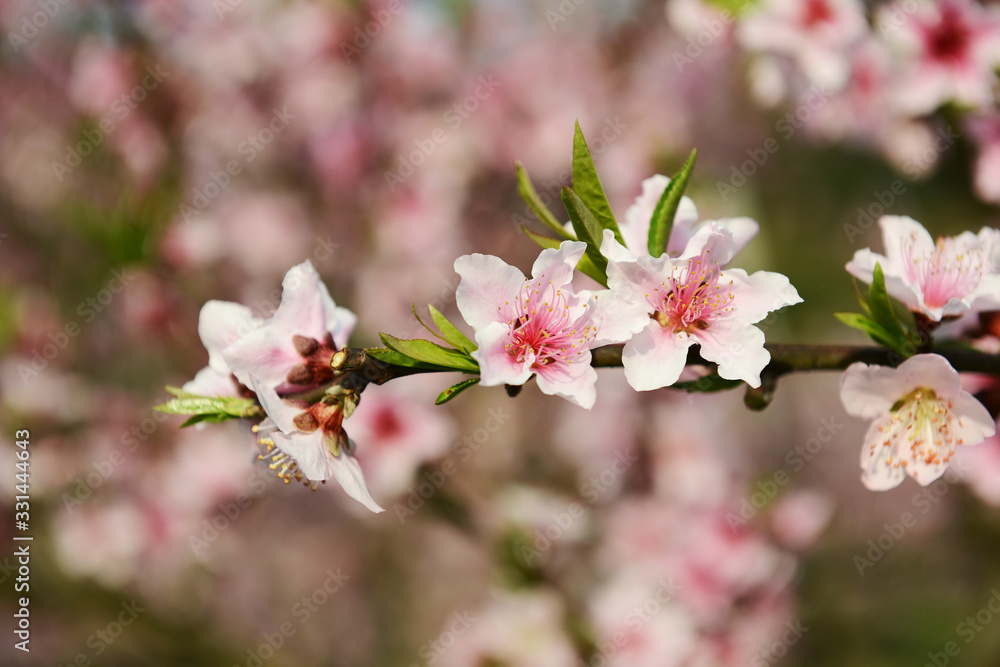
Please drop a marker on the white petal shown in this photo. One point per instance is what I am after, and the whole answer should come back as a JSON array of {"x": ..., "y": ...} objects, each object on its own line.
[
  {"x": 488, "y": 288},
  {"x": 268, "y": 353},
  {"x": 759, "y": 294},
  {"x": 348, "y": 474},
  {"x": 932, "y": 371},
  {"x": 556, "y": 265},
  {"x": 307, "y": 309},
  {"x": 895, "y": 228},
  {"x": 281, "y": 414},
  {"x": 655, "y": 357},
  {"x": 210, "y": 382},
  {"x": 738, "y": 350},
  {"x": 617, "y": 318},
  {"x": 743, "y": 230},
  {"x": 710, "y": 238},
  {"x": 614, "y": 250},
  {"x": 975, "y": 423},
  {"x": 862, "y": 267},
  {"x": 575, "y": 382},
  {"x": 870, "y": 391},
  {"x": 220, "y": 324},
  {"x": 876, "y": 473}
]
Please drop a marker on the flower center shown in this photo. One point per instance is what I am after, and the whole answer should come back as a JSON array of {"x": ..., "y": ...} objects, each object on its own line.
[
  {"x": 542, "y": 332},
  {"x": 816, "y": 12},
  {"x": 692, "y": 297},
  {"x": 923, "y": 423},
  {"x": 949, "y": 272},
  {"x": 948, "y": 41}
]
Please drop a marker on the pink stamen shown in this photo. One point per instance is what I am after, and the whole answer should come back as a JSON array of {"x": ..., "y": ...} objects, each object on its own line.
[{"x": 692, "y": 297}]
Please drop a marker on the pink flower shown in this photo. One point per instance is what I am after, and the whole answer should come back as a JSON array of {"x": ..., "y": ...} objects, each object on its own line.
[
  {"x": 292, "y": 349},
  {"x": 950, "y": 48},
  {"x": 688, "y": 301},
  {"x": 921, "y": 414},
  {"x": 944, "y": 279},
  {"x": 307, "y": 443},
  {"x": 688, "y": 235},
  {"x": 537, "y": 326},
  {"x": 815, "y": 33}
]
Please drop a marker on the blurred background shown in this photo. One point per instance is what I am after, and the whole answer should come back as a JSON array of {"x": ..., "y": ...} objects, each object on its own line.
[{"x": 155, "y": 155}]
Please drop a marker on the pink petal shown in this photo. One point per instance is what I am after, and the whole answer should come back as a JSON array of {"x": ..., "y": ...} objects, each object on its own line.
[
  {"x": 759, "y": 294},
  {"x": 862, "y": 267},
  {"x": 894, "y": 229},
  {"x": 282, "y": 414},
  {"x": 308, "y": 310},
  {"x": 496, "y": 365},
  {"x": 487, "y": 288},
  {"x": 616, "y": 318}
]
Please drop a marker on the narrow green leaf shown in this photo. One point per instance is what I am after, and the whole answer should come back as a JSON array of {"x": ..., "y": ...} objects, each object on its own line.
[
  {"x": 585, "y": 265},
  {"x": 881, "y": 307},
  {"x": 431, "y": 353},
  {"x": 191, "y": 404},
  {"x": 662, "y": 221},
  {"x": 587, "y": 230},
  {"x": 207, "y": 419},
  {"x": 536, "y": 204},
  {"x": 874, "y": 330},
  {"x": 451, "y": 333},
  {"x": 454, "y": 390},
  {"x": 387, "y": 356},
  {"x": 587, "y": 184}
]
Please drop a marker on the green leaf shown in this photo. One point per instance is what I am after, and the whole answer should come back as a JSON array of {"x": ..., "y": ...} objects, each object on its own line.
[
  {"x": 708, "y": 384},
  {"x": 454, "y": 390},
  {"x": 534, "y": 202},
  {"x": 874, "y": 330},
  {"x": 585, "y": 266},
  {"x": 880, "y": 307},
  {"x": 431, "y": 353},
  {"x": 587, "y": 184},
  {"x": 451, "y": 333},
  {"x": 587, "y": 230},
  {"x": 225, "y": 407},
  {"x": 387, "y": 356},
  {"x": 207, "y": 419},
  {"x": 662, "y": 221}
]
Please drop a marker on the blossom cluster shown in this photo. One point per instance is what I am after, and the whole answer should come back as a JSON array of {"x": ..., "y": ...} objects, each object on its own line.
[{"x": 883, "y": 75}]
